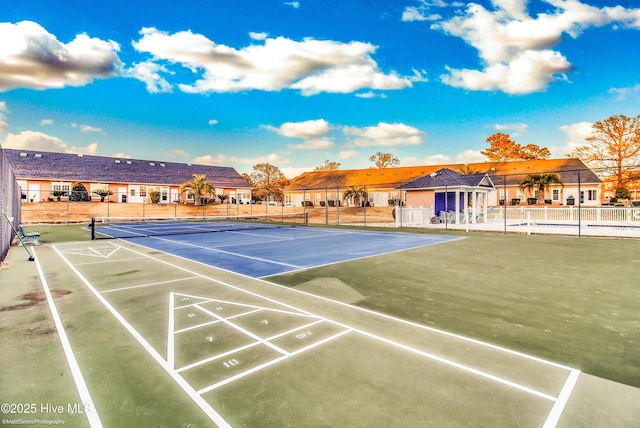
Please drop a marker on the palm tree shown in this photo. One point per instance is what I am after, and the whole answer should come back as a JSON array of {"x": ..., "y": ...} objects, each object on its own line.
[
  {"x": 354, "y": 194},
  {"x": 540, "y": 182},
  {"x": 197, "y": 186}
]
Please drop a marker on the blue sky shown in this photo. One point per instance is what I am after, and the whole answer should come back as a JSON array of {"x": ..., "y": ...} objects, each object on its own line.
[{"x": 295, "y": 83}]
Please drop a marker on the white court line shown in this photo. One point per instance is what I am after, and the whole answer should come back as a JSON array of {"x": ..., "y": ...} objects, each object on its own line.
[
  {"x": 270, "y": 363},
  {"x": 217, "y": 357},
  {"x": 171, "y": 334},
  {"x": 558, "y": 408},
  {"x": 104, "y": 261},
  {"x": 469, "y": 369},
  {"x": 186, "y": 387},
  {"x": 83, "y": 391},
  {"x": 216, "y": 250},
  {"x": 246, "y": 332},
  {"x": 151, "y": 284},
  {"x": 246, "y": 305},
  {"x": 242, "y": 348}
]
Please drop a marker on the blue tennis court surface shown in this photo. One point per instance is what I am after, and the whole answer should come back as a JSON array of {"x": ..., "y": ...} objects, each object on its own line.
[{"x": 265, "y": 252}]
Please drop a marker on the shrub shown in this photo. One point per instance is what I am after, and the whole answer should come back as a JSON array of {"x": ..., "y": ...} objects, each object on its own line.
[
  {"x": 322, "y": 204},
  {"x": 635, "y": 204},
  {"x": 307, "y": 204},
  {"x": 515, "y": 201},
  {"x": 531, "y": 201},
  {"x": 79, "y": 193},
  {"x": 155, "y": 197}
]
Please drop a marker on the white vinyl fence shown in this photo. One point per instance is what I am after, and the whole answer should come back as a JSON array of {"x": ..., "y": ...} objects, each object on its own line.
[{"x": 604, "y": 215}]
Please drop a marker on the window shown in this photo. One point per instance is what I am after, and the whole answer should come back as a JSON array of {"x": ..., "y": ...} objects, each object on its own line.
[
  {"x": 555, "y": 194},
  {"x": 592, "y": 195},
  {"x": 60, "y": 187},
  {"x": 132, "y": 192},
  {"x": 143, "y": 191}
]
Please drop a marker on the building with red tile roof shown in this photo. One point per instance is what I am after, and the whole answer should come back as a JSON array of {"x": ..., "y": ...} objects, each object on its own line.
[{"x": 384, "y": 186}]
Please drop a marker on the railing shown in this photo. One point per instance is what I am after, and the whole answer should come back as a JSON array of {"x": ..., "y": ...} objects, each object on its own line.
[{"x": 573, "y": 214}]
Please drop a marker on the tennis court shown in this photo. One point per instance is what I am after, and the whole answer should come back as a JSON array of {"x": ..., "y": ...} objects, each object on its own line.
[
  {"x": 263, "y": 248},
  {"x": 176, "y": 330}
]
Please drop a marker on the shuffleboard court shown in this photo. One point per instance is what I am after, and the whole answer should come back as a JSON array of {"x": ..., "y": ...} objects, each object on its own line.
[
  {"x": 252, "y": 353},
  {"x": 271, "y": 251}
]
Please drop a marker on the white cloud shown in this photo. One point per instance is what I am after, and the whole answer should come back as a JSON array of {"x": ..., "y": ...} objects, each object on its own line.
[
  {"x": 313, "y": 144},
  {"x": 293, "y": 172},
  {"x": 87, "y": 128},
  {"x": 3, "y": 122},
  {"x": 306, "y": 129},
  {"x": 467, "y": 156},
  {"x": 514, "y": 129},
  {"x": 45, "y": 122},
  {"x": 122, "y": 156},
  {"x": 349, "y": 154},
  {"x": 623, "y": 93},
  {"x": 180, "y": 153},
  {"x": 213, "y": 122},
  {"x": 258, "y": 36},
  {"x": 293, "y": 4},
  {"x": 312, "y": 131},
  {"x": 515, "y": 47},
  {"x": 384, "y": 134},
  {"x": 310, "y": 66},
  {"x": 149, "y": 73},
  {"x": 371, "y": 94},
  {"x": 577, "y": 134},
  {"x": 31, "y": 57},
  {"x": 412, "y": 13},
  {"x": 223, "y": 159},
  {"x": 31, "y": 140}
]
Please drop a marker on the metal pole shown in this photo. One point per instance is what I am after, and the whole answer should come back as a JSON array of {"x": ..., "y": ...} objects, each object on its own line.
[
  {"x": 326, "y": 205},
  {"x": 505, "y": 203},
  {"x": 579, "y": 208},
  {"x": 366, "y": 201},
  {"x": 18, "y": 235},
  {"x": 446, "y": 205}
]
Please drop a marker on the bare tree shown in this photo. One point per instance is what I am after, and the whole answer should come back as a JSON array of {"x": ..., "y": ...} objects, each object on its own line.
[
  {"x": 613, "y": 148},
  {"x": 384, "y": 160}
]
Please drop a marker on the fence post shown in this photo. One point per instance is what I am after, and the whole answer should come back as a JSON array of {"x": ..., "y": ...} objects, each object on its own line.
[{"x": 326, "y": 205}]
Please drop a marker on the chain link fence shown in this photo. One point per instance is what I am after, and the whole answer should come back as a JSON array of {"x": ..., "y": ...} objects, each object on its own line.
[
  {"x": 579, "y": 205},
  {"x": 10, "y": 203}
]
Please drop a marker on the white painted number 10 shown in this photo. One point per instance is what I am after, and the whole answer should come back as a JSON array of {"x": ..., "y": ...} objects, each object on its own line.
[{"x": 231, "y": 363}]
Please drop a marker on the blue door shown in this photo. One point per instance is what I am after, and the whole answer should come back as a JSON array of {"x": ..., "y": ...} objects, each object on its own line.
[{"x": 451, "y": 202}]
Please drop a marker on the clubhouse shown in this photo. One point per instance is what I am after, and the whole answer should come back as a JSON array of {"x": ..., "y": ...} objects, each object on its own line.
[
  {"x": 43, "y": 176},
  {"x": 389, "y": 186}
]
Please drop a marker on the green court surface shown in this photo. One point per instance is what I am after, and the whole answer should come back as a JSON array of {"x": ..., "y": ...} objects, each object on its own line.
[{"x": 490, "y": 330}]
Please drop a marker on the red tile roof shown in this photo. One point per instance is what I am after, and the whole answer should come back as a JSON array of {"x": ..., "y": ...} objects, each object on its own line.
[{"x": 500, "y": 173}]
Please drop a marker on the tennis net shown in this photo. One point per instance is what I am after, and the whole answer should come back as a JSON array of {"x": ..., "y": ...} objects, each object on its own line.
[{"x": 136, "y": 227}]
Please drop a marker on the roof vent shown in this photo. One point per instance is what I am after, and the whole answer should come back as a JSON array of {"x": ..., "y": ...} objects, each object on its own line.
[
  {"x": 152, "y": 164},
  {"x": 80, "y": 155},
  {"x": 38, "y": 155},
  {"x": 117, "y": 160},
  {"x": 23, "y": 154},
  {"x": 129, "y": 162},
  {"x": 163, "y": 165}
]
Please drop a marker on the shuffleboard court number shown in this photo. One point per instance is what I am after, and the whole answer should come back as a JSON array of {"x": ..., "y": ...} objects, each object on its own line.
[
  {"x": 184, "y": 299},
  {"x": 304, "y": 334},
  {"x": 231, "y": 363},
  {"x": 191, "y": 315}
]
